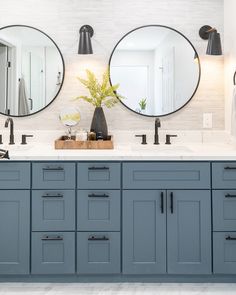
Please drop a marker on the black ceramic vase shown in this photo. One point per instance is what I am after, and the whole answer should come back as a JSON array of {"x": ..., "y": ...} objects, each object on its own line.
[{"x": 99, "y": 123}]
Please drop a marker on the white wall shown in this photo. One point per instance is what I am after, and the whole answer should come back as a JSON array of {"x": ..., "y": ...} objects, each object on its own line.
[
  {"x": 230, "y": 57},
  {"x": 111, "y": 19}
]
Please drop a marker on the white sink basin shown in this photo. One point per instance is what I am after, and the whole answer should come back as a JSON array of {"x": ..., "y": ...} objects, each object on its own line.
[
  {"x": 161, "y": 148},
  {"x": 16, "y": 147}
]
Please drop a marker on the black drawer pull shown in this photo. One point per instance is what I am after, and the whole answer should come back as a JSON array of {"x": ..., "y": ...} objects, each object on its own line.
[
  {"x": 98, "y": 168},
  {"x": 230, "y": 196},
  {"x": 98, "y": 238},
  {"x": 230, "y": 238},
  {"x": 52, "y": 196},
  {"x": 52, "y": 238},
  {"x": 172, "y": 203},
  {"x": 53, "y": 168},
  {"x": 162, "y": 202},
  {"x": 98, "y": 196},
  {"x": 230, "y": 168}
]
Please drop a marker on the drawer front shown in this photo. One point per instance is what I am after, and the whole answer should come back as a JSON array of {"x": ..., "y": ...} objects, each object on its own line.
[
  {"x": 166, "y": 175},
  {"x": 14, "y": 175},
  {"x": 53, "y": 253},
  {"x": 98, "y": 210},
  {"x": 98, "y": 253},
  {"x": 224, "y": 246},
  {"x": 53, "y": 210},
  {"x": 224, "y": 175},
  {"x": 224, "y": 210},
  {"x": 56, "y": 175},
  {"x": 99, "y": 175}
]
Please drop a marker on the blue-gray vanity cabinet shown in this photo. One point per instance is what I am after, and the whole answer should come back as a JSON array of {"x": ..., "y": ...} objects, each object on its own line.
[
  {"x": 189, "y": 232},
  {"x": 53, "y": 210},
  {"x": 144, "y": 232},
  {"x": 53, "y": 253},
  {"x": 98, "y": 175},
  {"x": 224, "y": 210},
  {"x": 14, "y": 175},
  {"x": 14, "y": 231},
  {"x": 53, "y": 175},
  {"x": 165, "y": 175},
  {"x": 224, "y": 175},
  {"x": 224, "y": 249},
  {"x": 98, "y": 210},
  {"x": 98, "y": 252}
]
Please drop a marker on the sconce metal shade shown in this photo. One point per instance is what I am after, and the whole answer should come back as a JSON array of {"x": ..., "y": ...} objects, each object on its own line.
[
  {"x": 214, "y": 44},
  {"x": 85, "y": 44},
  {"x": 214, "y": 41}
]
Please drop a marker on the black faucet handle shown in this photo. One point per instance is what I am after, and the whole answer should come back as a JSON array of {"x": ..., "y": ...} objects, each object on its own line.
[
  {"x": 168, "y": 137},
  {"x": 144, "y": 138},
  {"x": 24, "y": 137}
]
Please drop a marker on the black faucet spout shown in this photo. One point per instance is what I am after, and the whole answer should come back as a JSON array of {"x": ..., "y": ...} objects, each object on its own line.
[
  {"x": 9, "y": 120},
  {"x": 156, "y": 135}
]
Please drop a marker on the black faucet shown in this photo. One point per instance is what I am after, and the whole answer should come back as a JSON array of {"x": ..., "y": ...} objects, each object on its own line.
[
  {"x": 157, "y": 125},
  {"x": 11, "y": 129}
]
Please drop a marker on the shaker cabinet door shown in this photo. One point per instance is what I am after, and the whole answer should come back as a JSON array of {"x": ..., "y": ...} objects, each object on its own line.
[
  {"x": 14, "y": 231},
  {"x": 144, "y": 232},
  {"x": 189, "y": 232}
]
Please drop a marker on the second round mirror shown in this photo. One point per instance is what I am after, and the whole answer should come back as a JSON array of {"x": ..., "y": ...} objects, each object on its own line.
[{"x": 158, "y": 70}]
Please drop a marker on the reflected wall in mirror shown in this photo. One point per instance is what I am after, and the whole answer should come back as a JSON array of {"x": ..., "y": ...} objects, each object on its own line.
[
  {"x": 158, "y": 70},
  {"x": 31, "y": 70}
]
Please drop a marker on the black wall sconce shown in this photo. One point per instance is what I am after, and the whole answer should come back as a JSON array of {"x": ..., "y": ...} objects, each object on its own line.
[
  {"x": 214, "y": 42},
  {"x": 85, "y": 44}
]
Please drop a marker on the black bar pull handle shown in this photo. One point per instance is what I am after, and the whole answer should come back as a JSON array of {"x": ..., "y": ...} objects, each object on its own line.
[
  {"x": 49, "y": 168},
  {"x": 98, "y": 238},
  {"x": 230, "y": 196},
  {"x": 52, "y": 238},
  {"x": 230, "y": 168},
  {"x": 52, "y": 196},
  {"x": 229, "y": 238},
  {"x": 98, "y": 196},
  {"x": 98, "y": 168},
  {"x": 172, "y": 203},
  {"x": 162, "y": 203}
]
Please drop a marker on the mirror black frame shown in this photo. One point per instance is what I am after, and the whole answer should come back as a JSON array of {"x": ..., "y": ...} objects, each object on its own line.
[
  {"x": 197, "y": 57},
  {"x": 63, "y": 65}
]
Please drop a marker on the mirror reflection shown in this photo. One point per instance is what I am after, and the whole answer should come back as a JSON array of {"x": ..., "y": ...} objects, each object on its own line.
[
  {"x": 31, "y": 70},
  {"x": 157, "y": 68}
]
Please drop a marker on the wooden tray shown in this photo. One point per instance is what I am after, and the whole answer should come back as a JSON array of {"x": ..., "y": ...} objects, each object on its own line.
[{"x": 64, "y": 144}]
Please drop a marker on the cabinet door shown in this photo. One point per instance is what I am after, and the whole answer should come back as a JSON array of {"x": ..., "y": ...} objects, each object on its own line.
[
  {"x": 14, "y": 231},
  {"x": 144, "y": 232},
  {"x": 189, "y": 232}
]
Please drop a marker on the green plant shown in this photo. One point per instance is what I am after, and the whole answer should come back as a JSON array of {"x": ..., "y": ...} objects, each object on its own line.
[
  {"x": 100, "y": 93},
  {"x": 143, "y": 103}
]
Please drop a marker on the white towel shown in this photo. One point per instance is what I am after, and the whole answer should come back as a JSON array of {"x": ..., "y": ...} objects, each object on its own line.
[
  {"x": 233, "y": 114},
  {"x": 23, "y": 107}
]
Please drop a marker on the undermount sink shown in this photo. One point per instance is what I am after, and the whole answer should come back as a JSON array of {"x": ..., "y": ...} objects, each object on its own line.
[
  {"x": 162, "y": 148},
  {"x": 17, "y": 147}
]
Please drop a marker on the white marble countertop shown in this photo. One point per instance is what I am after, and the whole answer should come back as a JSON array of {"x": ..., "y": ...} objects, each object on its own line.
[{"x": 189, "y": 146}]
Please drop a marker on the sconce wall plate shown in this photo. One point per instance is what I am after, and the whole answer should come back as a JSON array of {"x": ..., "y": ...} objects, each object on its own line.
[{"x": 204, "y": 32}]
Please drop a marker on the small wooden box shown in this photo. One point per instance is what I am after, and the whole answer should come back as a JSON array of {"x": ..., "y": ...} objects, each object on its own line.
[{"x": 64, "y": 144}]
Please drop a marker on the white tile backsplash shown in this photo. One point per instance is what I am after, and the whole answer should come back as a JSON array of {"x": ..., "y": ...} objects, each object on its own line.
[{"x": 111, "y": 19}]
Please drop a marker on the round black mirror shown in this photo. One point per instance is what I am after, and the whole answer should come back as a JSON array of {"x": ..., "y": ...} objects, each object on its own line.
[
  {"x": 158, "y": 70},
  {"x": 31, "y": 70}
]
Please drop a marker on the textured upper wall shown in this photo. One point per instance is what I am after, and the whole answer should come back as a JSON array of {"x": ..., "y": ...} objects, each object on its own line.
[{"x": 111, "y": 19}]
